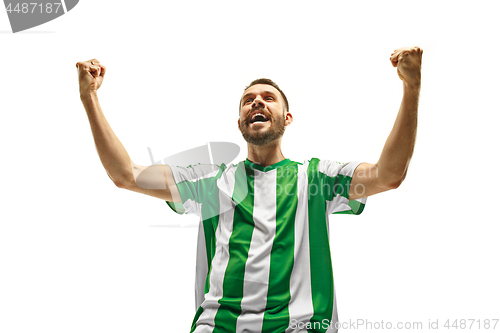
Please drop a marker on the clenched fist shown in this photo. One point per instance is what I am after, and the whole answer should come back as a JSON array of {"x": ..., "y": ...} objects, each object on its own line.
[
  {"x": 408, "y": 60},
  {"x": 90, "y": 75}
]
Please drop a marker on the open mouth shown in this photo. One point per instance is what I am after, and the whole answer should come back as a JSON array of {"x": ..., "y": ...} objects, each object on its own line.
[{"x": 258, "y": 118}]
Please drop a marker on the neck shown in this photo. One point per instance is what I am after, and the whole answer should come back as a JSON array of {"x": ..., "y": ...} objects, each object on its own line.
[{"x": 265, "y": 155}]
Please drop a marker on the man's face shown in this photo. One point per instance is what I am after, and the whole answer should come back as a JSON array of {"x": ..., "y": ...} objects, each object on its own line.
[{"x": 262, "y": 115}]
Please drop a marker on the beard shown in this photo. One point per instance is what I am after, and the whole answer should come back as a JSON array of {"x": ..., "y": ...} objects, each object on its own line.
[{"x": 262, "y": 138}]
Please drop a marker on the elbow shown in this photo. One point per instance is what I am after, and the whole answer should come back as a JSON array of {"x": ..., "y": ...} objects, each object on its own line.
[
  {"x": 119, "y": 182},
  {"x": 395, "y": 182},
  {"x": 390, "y": 179},
  {"x": 124, "y": 182}
]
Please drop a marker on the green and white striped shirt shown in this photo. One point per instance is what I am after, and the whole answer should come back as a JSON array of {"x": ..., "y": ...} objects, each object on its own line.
[{"x": 263, "y": 261}]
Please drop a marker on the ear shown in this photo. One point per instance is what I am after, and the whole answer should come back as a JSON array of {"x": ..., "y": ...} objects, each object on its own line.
[{"x": 288, "y": 118}]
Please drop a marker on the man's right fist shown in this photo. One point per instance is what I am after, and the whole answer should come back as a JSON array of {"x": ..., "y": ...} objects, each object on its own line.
[{"x": 90, "y": 75}]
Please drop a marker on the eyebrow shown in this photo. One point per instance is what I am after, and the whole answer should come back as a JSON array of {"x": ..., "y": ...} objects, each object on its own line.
[{"x": 249, "y": 94}]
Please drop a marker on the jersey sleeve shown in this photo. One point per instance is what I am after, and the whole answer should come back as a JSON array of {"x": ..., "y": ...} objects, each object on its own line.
[
  {"x": 195, "y": 183},
  {"x": 336, "y": 185}
]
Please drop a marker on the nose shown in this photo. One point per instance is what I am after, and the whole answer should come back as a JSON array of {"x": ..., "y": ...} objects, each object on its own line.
[{"x": 257, "y": 102}]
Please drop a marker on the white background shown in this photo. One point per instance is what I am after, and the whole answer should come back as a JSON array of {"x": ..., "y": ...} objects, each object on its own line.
[{"x": 78, "y": 254}]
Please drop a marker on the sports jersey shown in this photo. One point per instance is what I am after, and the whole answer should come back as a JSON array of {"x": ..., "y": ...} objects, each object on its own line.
[{"x": 263, "y": 259}]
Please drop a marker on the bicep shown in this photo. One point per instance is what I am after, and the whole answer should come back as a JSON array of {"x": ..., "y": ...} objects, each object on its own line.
[
  {"x": 366, "y": 181},
  {"x": 156, "y": 181}
]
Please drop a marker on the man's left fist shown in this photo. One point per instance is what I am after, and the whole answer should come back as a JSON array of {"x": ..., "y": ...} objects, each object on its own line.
[{"x": 408, "y": 60}]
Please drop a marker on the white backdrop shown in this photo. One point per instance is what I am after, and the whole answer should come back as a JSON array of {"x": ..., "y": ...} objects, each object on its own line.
[{"x": 78, "y": 254}]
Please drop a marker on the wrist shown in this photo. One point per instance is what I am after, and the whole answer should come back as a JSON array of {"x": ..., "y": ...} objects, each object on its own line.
[
  {"x": 413, "y": 84},
  {"x": 89, "y": 95}
]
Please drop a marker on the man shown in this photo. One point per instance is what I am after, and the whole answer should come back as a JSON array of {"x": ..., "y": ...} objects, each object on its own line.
[{"x": 263, "y": 260}]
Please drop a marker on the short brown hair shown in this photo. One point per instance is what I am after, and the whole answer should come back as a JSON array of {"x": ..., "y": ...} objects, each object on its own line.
[{"x": 271, "y": 83}]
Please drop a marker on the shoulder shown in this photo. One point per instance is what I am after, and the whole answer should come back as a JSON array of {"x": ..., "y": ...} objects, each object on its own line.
[
  {"x": 332, "y": 167},
  {"x": 199, "y": 171}
]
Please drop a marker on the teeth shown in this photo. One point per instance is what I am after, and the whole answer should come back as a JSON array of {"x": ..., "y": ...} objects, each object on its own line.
[{"x": 258, "y": 114}]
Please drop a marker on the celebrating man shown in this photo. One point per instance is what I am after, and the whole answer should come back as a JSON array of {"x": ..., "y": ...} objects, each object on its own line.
[{"x": 263, "y": 261}]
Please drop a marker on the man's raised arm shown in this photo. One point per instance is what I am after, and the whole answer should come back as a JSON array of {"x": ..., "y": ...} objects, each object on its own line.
[
  {"x": 156, "y": 180},
  {"x": 390, "y": 170}
]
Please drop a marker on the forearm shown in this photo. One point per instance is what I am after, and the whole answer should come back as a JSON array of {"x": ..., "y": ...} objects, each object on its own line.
[
  {"x": 113, "y": 155},
  {"x": 398, "y": 149}
]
